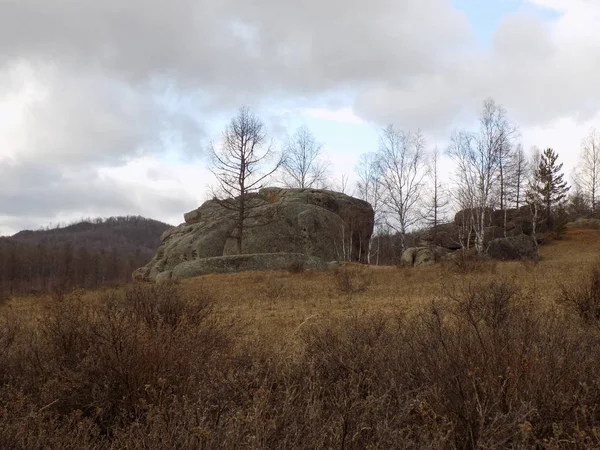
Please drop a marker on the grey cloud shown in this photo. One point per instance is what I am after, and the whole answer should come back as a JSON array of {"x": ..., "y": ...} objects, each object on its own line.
[
  {"x": 532, "y": 72},
  {"x": 413, "y": 61},
  {"x": 40, "y": 190},
  {"x": 235, "y": 47},
  {"x": 87, "y": 118},
  {"x": 541, "y": 78},
  {"x": 35, "y": 195}
]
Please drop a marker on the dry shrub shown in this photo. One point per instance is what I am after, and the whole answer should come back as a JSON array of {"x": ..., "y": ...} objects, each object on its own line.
[
  {"x": 10, "y": 334},
  {"x": 468, "y": 261},
  {"x": 274, "y": 289},
  {"x": 352, "y": 279},
  {"x": 112, "y": 361},
  {"x": 583, "y": 295},
  {"x": 503, "y": 372},
  {"x": 164, "y": 304},
  {"x": 482, "y": 368},
  {"x": 4, "y": 299}
]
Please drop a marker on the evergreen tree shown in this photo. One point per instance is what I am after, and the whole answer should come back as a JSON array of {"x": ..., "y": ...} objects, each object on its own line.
[{"x": 549, "y": 185}]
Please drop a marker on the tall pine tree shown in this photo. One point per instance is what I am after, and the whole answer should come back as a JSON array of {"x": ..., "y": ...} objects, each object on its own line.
[{"x": 549, "y": 187}]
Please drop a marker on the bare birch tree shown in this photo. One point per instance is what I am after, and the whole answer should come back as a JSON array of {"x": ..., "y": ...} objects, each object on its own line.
[
  {"x": 531, "y": 197},
  {"x": 464, "y": 192},
  {"x": 587, "y": 175},
  {"x": 238, "y": 165},
  {"x": 403, "y": 169},
  {"x": 370, "y": 189},
  {"x": 519, "y": 178},
  {"x": 302, "y": 165},
  {"x": 342, "y": 184},
  {"x": 478, "y": 156},
  {"x": 506, "y": 159}
]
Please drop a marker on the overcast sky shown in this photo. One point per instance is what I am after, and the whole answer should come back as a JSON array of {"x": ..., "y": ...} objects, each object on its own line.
[{"x": 106, "y": 107}]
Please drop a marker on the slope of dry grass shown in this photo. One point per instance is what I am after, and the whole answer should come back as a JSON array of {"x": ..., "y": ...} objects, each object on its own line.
[{"x": 275, "y": 304}]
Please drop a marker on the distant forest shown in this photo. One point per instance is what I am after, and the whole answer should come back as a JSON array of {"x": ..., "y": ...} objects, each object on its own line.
[{"x": 87, "y": 254}]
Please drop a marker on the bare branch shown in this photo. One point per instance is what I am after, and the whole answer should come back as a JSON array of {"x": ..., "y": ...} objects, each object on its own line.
[
  {"x": 401, "y": 158},
  {"x": 302, "y": 165},
  {"x": 238, "y": 166}
]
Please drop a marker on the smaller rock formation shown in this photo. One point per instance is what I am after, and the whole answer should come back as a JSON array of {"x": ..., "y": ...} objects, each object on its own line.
[
  {"x": 417, "y": 257},
  {"x": 445, "y": 235},
  {"x": 507, "y": 234},
  {"x": 519, "y": 247},
  {"x": 518, "y": 221}
]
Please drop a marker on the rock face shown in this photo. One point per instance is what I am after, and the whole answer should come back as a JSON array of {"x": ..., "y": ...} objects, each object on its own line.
[
  {"x": 518, "y": 221},
  {"x": 318, "y": 223},
  {"x": 513, "y": 248},
  {"x": 418, "y": 256},
  {"x": 240, "y": 263}
]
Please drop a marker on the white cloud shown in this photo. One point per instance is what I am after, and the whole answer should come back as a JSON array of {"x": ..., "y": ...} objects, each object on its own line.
[
  {"x": 564, "y": 136},
  {"x": 345, "y": 115}
]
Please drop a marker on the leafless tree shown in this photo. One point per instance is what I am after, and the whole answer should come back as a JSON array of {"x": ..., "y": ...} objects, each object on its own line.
[
  {"x": 587, "y": 175},
  {"x": 531, "y": 198},
  {"x": 478, "y": 156},
  {"x": 519, "y": 177},
  {"x": 302, "y": 165},
  {"x": 403, "y": 169},
  {"x": 437, "y": 202},
  {"x": 342, "y": 184},
  {"x": 370, "y": 189},
  {"x": 238, "y": 165},
  {"x": 464, "y": 192}
]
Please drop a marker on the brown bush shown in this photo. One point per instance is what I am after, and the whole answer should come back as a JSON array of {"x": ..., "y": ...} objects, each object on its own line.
[
  {"x": 152, "y": 367},
  {"x": 352, "y": 279},
  {"x": 468, "y": 261},
  {"x": 583, "y": 295}
]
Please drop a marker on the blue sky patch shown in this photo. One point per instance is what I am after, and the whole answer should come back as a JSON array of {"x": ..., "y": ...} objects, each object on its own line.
[{"x": 484, "y": 16}]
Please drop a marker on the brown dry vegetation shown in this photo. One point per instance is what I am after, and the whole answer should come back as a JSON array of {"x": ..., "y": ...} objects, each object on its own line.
[{"x": 482, "y": 355}]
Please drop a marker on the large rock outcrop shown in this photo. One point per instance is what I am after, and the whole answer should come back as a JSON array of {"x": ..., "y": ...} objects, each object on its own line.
[{"x": 317, "y": 223}]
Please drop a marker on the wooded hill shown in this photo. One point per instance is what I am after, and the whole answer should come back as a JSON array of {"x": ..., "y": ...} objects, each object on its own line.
[{"x": 87, "y": 254}]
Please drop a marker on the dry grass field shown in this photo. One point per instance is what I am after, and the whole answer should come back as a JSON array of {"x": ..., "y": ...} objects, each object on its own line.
[
  {"x": 476, "y": 355},
  {"x": 275, "y": 304}
]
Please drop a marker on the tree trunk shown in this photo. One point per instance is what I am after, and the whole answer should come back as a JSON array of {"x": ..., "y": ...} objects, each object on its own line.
[
  {"x": 548, "y": 212},
  {"x": 240, "y": 228},
  {"x": 479, "y": 232}
]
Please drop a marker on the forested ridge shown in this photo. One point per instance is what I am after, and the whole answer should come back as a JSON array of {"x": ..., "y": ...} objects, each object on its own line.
[{"x": 86, "y": 254}]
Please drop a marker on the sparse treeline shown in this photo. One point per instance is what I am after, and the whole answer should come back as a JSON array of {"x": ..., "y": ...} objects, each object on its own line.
[
  {"x": 408, "y": 183},
  {"x": 88, "y": 254},
  {"x": 492, "y": 176}
]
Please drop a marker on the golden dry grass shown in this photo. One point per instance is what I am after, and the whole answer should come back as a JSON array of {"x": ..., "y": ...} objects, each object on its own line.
[{"x": 274, "y": 305}]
